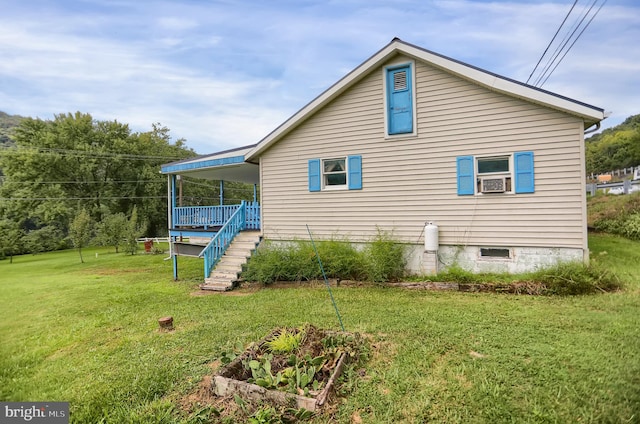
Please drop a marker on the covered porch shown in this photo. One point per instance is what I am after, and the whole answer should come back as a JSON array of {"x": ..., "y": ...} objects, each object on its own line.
[{"x": 208, "y": 231}]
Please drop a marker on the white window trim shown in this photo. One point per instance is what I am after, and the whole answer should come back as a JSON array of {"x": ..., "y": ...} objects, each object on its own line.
[
  {"x": 325, "y": 187},
  {"x": 412, "y": 67},
  {"x": 509, "y": 173}
]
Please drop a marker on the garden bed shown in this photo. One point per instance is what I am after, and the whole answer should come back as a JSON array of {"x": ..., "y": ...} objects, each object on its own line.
[{"x": 293, "y": 367}]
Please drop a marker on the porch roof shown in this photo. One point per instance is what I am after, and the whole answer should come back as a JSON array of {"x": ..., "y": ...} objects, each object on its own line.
[{"x": 228, "y": 165}]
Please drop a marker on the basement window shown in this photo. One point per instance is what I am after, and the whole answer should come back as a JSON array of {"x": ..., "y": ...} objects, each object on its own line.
[{"x": 494, "y": 252}]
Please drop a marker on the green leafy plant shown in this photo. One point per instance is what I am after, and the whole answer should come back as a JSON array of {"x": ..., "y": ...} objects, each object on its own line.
[
  {"x": 286, "y": 341},
  {"x": 381, "y": 260},
  {"x": 261, "y": 372},
  {"x": 385, "y": 259},
  {"x": 265, "y": 415}
]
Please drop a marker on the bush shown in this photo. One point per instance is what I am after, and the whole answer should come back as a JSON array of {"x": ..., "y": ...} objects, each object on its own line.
[
  {"x": 292, "y": 262},
  {"x": 619, "y": 215},
  {"x": 382, "y": 260},
  {"x": 571, "y": 278},
  {"x": 576, "y": 278},
  {"x": 385, "y": 259},
  {"x": 341, "y": 260}
]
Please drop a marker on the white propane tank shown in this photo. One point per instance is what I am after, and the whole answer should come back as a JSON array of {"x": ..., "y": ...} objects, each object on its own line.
[{"x": 431, "y": 237}]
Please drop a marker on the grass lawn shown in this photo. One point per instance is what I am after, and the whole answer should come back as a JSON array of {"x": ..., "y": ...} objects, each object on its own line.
[{"x": 88, "y": 334}]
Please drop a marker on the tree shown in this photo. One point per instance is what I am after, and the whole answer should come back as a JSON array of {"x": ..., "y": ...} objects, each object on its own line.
[
  {"x": 11, "y": 238},
  {"x": 81, "y": 231},
  {"x": 74, "y": 160},
  {"x": 135, "y": 230},
  {"x": 112, "y": 230},
  {"x": 44, "y": 239},
  {"x": 614, "y": 148}
]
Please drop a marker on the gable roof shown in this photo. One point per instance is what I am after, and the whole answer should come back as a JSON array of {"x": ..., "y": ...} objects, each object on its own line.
[{"x": 590, "y": 114}]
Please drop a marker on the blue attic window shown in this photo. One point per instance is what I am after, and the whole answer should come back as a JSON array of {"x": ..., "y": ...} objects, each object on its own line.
[{"x": 399, "y": 99}]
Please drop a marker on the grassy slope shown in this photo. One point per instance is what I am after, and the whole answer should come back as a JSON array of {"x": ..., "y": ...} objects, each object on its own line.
[{"x": 87, "y": 333}]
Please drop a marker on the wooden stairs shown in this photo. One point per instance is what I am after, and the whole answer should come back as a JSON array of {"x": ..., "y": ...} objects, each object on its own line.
[{"x": 225, "y": 274}]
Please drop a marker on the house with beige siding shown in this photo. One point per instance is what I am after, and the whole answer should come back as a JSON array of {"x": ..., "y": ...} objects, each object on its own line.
[{"x": 488, "y": 171}]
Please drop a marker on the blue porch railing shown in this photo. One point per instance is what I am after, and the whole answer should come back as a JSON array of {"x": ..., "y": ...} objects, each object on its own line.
[
  {"x": 223, "y": 238},
  {"x": 215, "y": 216}
]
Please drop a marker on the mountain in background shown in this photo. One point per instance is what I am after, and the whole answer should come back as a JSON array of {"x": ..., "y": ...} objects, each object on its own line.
[
  {"x": 614, "y": 148},
  {"x": 7, "y": 123}
]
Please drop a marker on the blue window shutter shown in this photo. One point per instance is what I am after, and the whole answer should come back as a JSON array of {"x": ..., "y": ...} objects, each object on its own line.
[
  {"x": 523, "y": 164},
  {"x": 355, "y": 172},
  {"x": 465, "y": 175},
  {"x": 314, "y": 175},
  {"x": 399, "y": 101}
]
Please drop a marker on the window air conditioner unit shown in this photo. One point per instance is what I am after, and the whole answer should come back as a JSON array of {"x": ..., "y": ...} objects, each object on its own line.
[{"x": 493, "y": 185}]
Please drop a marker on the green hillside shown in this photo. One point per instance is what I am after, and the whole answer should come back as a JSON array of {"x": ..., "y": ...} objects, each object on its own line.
[
  {"x": 7, "y": 123},
  {"x": 614, "y": 148}
]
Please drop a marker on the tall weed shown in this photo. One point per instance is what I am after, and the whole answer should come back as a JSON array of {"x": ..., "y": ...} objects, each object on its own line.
[
  {"x": 380, "y": 261},
  {"x": 575, "y": 278},
  {"x": 385, "y": 259}
]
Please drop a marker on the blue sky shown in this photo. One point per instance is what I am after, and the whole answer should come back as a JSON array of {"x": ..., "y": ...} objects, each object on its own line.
[{"x": 224, "y": 73}]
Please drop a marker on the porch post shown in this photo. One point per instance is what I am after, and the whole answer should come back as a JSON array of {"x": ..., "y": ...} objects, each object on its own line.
[
  {"x": 172, "y": 198},
  {"x": 174, "y": 260},
  {"x": 255, "y": 192},
  {"x": 169, "y": 209},
  {"x": 172, "y": 204},
  {"x": 221, "y": 192}
]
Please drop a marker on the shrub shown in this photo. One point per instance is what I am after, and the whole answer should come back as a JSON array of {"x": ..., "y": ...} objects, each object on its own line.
[
  {"x": 272, "y": 262},
  {"x": 385, "y": 259},
  {"x": 574, "y": 278},
  {"x": 631, "y": 228},
  {"x": 382, "y": 260},
  {"x": 341, "y": 260},
  {"x": 618, "y": 215}
]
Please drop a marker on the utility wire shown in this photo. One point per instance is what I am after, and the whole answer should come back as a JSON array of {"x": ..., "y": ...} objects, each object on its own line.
[
  {"x": 551, "y": 64},
  {"x": 86, "y": 153},
  {"x": 574, "y": 41},
  {"x": 558, "y": 48},
  {"x": 81, "y": 198},
  {"x": 551, "y": 42},
  {"x": 82, "y": 182}
]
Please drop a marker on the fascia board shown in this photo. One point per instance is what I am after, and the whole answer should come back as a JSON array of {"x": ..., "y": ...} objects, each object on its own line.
[
  {"x": 201, "y": 164},
  {"x": 215, "y": 159},
  {"x": 505, "y": 85}
]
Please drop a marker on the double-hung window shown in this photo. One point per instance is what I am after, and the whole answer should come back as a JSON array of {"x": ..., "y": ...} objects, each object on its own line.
[
  {"x": 335, "y": 173},
  {"x": 508, "y": 173}
]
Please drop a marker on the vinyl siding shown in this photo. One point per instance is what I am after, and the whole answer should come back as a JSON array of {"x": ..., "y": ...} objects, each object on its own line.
[{"x": 407, "y": 181}]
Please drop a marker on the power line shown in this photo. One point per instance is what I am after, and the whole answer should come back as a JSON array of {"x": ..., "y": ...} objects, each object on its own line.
[
  {"x": 574, "y": 41},
  {"x": 561, "y": 49},
  {"x": 81, "y": 198},
  {"x": 83, "y": 182},
  {"x": 563, "y": 44},
  {"x": 192, "y": 198},
  {"x": 85, "y": 153},
  {"x": 551, "y": 42}
]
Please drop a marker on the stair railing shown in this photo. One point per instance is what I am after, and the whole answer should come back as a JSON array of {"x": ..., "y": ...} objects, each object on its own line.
[{"x": 221, "y": 241}]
